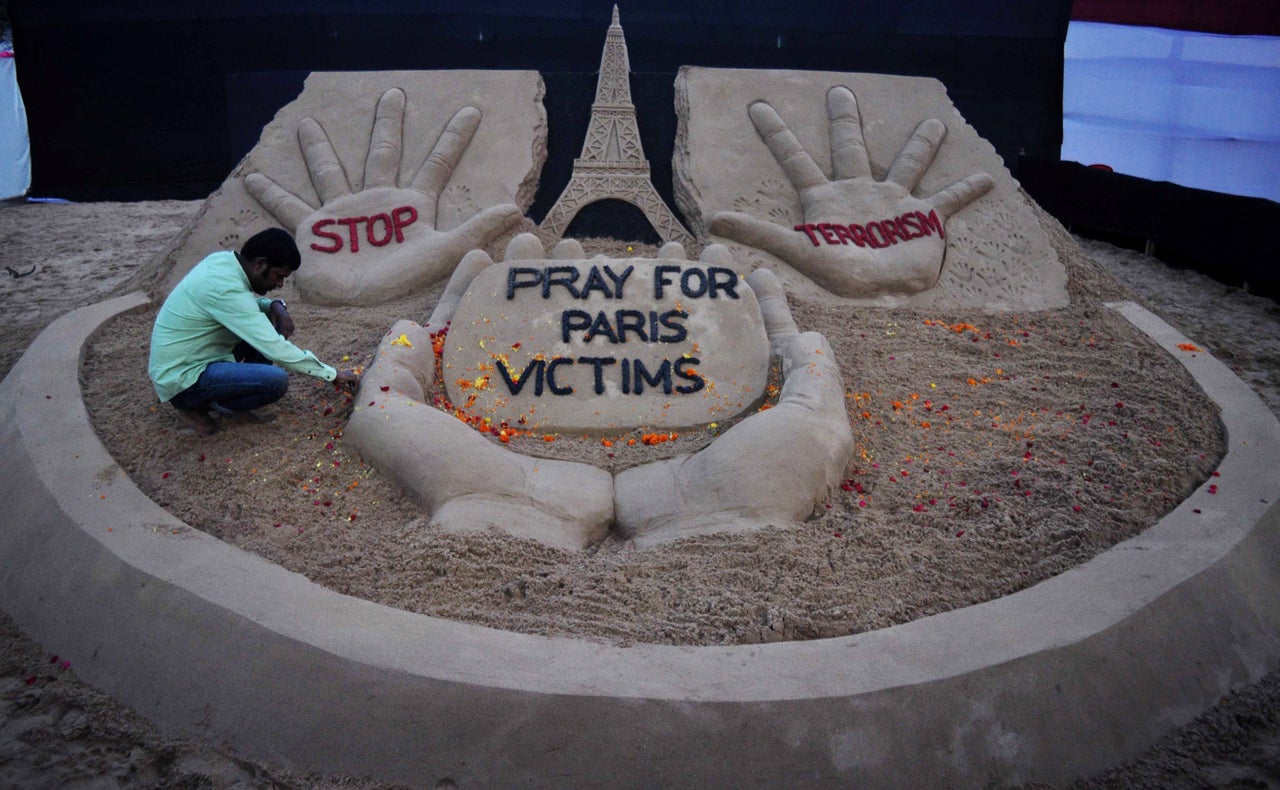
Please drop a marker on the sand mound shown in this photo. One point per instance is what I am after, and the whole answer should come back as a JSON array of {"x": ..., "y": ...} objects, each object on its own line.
[
  {"x": 62, "y": 731},
  {"x": 993, "y": 451}
]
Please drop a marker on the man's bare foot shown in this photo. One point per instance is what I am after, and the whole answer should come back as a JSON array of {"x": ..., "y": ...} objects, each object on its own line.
[{"x": 198, "y": 421}]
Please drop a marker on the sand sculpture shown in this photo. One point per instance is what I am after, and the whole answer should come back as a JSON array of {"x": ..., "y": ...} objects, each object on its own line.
[
  {"x": 860, "y": 236},
  {"x": 794, "y": 174},
  {"x": 367, "y": 145},
  {"x": 610, "y": 344},
  {"x": 166, "y": 591},
  {"x": 466, "y": 481},
  {"x": 613, "y": 165},
  {"x": 397, "y": 223}
]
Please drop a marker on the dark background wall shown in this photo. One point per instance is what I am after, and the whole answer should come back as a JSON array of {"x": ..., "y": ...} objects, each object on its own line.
[
  {"x": 160, "y": 98},
  {"x": 1230, "y": 17}
]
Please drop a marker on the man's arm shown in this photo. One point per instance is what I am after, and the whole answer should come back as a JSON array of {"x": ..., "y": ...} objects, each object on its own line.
[
  {"x": 239, "y": 311},
  {"x": 278, "y": 313}
]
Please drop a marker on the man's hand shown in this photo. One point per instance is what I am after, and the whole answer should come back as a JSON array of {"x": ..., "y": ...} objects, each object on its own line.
[
  {"x": 348, "y": 381},
  {"x": 280, "y": 318},
  {"x": 380, "y": 243},
  {"x": 860, "y": 237}
]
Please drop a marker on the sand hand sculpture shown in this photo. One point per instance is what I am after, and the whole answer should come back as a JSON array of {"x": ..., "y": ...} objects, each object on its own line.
[
  {"x": 462, "y": 479},
  {"x": 860, "y": 237},
  {"x": 380, "y": 242},
  {"x": 769, "y": 469}
]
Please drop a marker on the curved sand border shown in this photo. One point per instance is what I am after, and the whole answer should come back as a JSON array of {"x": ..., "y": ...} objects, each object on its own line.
[{"x": 1070, "y": 676}]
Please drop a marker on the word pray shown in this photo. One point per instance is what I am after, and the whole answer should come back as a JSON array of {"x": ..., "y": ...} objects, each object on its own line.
[
  {"x": 876, "y": 235},
  {"x": 694, "y": 282},
  {"x": 379, "y": 230}
]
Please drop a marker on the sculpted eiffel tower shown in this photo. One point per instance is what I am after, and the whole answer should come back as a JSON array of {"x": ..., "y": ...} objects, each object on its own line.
[{"x": 612, "y": 165}]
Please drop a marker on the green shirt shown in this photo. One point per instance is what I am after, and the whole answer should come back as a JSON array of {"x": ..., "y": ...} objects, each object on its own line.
[{"x": 205, "y": 316}]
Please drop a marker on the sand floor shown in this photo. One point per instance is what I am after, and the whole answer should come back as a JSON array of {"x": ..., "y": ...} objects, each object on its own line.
[{"x": 55, "y": 730}]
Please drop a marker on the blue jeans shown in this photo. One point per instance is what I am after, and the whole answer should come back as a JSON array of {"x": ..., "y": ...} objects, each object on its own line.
[{"x": 229, "y": 387}]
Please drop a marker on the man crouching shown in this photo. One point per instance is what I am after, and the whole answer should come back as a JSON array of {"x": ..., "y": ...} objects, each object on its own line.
[{"x": 214, "y": 341}]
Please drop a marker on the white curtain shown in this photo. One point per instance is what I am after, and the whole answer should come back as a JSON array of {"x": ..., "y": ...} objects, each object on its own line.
[
  {"x": 15, "y": 146},
  {"x": 1198, "y": 109}
]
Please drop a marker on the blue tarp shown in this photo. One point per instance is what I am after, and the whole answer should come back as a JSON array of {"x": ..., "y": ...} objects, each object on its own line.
[
  {"x": 15, "y": 145},
  {"x": 1197, "y": 109}
]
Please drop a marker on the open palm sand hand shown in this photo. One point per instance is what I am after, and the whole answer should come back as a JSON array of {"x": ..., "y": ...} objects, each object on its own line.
[
  {"x": 379, "y": 243},
  {"x": 860, "y": 237}
]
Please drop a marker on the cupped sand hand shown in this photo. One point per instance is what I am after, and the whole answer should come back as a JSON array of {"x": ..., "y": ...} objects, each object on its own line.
[
  {"x": 370, "y": 246},
  {"x": 771, "y": 468},
  {"x": 860, "y": 237},
  {"x": 462, "y": 479}
]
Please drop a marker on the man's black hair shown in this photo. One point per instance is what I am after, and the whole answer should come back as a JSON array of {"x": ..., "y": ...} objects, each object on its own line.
[{"x": 276, "y": 246}]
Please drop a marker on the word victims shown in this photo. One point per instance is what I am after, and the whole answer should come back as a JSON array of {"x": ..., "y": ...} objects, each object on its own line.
[{"x": 617, "y": 327}]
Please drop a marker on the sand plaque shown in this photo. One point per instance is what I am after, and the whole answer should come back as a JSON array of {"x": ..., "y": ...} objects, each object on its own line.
[{"x": 596, "y": 344}]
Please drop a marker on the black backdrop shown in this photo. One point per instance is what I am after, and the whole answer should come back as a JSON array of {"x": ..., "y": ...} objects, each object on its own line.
[
  {"x": 1224, "y": 236},
  {"x": 160, "y": 98}
]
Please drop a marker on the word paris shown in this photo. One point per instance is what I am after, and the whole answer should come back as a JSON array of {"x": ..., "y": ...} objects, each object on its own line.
[
  {"x": 379, "y": 230},
  {"x": 606, "y": 344},
  {"x": 875, "y": 234}
]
